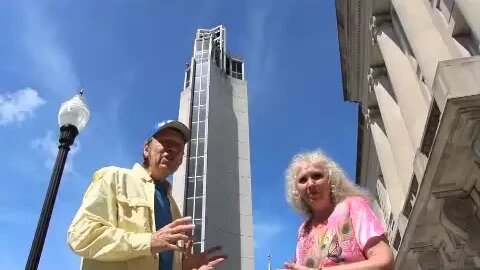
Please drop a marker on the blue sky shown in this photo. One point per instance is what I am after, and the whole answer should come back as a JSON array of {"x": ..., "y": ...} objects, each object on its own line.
[{"x": 130, "y": 57}]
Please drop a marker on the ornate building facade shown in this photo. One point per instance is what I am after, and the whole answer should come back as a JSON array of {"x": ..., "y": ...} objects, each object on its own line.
[{"x": 413, "y": 68}]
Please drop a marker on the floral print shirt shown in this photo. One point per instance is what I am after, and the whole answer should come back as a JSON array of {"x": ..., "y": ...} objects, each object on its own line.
[{"x": 343, "y": 239}]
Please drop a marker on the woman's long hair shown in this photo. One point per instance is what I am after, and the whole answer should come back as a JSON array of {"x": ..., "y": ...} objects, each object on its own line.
[{"x": 340, "y": 186}]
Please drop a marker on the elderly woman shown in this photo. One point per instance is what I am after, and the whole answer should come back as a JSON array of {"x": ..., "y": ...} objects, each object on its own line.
[{"x": 341, "y": 231}]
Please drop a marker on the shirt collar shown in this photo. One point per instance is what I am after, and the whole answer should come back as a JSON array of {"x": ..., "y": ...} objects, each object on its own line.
[{"x": 141, "y": 172}]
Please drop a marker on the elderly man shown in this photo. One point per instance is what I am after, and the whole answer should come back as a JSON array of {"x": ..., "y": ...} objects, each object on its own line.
[{"x": 128, "y": 218}]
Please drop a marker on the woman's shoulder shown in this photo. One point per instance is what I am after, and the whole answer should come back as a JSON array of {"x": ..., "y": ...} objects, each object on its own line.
[
  {"x": 356, "y": 200},
  {"x": 353, "y": 203}
]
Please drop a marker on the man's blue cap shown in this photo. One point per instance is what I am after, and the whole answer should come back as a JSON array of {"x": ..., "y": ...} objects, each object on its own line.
[{"x": 171, "y": 124}]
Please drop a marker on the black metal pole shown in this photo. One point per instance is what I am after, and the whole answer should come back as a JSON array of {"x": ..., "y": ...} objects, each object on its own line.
[{"x": 67, "y": 137}]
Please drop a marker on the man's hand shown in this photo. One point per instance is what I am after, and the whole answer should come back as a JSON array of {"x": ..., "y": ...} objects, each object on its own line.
[
  {"x": 167, "y": 237},
  {"x": 203, "y": 261}
]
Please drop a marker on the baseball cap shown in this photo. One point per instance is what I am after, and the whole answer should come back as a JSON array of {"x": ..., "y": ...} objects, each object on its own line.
[{"x": 170, "y": 124}]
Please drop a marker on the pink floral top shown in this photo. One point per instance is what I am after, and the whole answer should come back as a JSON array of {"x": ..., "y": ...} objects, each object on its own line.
[{"x": 343, "y": 239}]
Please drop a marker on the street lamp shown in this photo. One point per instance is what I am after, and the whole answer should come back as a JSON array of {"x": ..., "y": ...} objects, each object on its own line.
[{"x": 72, "y": 118}]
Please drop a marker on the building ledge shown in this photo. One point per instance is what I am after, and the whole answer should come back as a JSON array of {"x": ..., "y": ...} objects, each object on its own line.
[{"x": 447, "y": 168}]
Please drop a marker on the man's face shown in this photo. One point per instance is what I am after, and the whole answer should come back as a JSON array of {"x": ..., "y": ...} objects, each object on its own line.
[{"x": 164, "y": 153}]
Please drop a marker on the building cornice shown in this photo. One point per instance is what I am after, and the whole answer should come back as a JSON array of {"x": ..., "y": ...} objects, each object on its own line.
[
  {"x": 354, "y": 41},
  {"x": 353, "y": 20}
]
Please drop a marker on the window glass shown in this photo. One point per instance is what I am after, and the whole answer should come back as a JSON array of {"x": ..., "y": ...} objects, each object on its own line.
[
  {"x": 194, "y": 129},
  {"x": 203, "y": 113},
  {"x": 190, "y": 206},
  {"x": 197, "y": 235},
  {"x": 200, "y": 166},
  {"x": 203, "y": 97},
  {"x": 203, "y": 83},
  {"x": 190, "y": 186},
  {"x": 195, "y": 114},
  {"x": 201, "y": 129},
  {"x": 191, "y": 167},
  {"x": 196, "y": 97},
  {"x": 197, "y": 83},
  {"x": 199, "y": 187},
  {"x": 193, "y": 147},
  {"x": 200, "y": 145},
  {"x": 197, "y": 248},
  {"x": 198, "y": 208}
]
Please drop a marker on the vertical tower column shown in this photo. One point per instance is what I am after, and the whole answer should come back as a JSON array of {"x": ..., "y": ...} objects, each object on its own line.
[
  {"x": 397, "y": 134},
  {"x": 404, "y": 82},
  {"x": 423, "y": 36},
  {"x": 471, "y": 11},
  {"x": 393, "y": 184},
  {"x": 384, "y": 201}
]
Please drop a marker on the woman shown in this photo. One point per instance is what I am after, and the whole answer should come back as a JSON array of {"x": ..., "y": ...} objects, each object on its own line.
[{"x": 341, "y": 231}]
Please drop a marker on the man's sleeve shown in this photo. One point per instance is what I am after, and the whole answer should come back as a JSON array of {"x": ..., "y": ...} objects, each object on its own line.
[{"x": 94, "y": 234}]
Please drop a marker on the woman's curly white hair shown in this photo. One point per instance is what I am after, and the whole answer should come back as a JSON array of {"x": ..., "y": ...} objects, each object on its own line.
[{"x": 340, "y": 186}]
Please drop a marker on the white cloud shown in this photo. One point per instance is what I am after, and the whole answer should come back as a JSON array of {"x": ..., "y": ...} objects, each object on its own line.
[
  {"x": 41, "y": 39},
  {"x": 265, "y": 232},
  {"x": 261, "y": 47},
  {"x": 47, "y": 146},
  {"x": 19, "y": 105},
  {"x": 256, "y": 43}
]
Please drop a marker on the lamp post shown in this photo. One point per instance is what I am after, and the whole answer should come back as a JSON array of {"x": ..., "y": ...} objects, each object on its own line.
[{"x": 72, "y": 118}]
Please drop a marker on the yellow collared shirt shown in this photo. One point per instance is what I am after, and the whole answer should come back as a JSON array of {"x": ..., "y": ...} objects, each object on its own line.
[{"x": 113, "y": 227}]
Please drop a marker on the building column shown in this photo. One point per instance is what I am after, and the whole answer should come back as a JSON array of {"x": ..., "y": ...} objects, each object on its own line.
[
  {"x": 471, "y": 12},
  {"x": 404, "y": 81},
  {"x": 426, "y": 42},
  {"x": 387, "y": 164},
  {"x": 397, "y": 134},
  {"x": 384, "y": 202}
]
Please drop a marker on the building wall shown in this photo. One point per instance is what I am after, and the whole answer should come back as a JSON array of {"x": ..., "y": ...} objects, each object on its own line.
[
  {"x": 395, "y": 56},
  {"x": 178, "y": 189},
  {"x": 229, "y": 202},
  {"x": 225, "y": 213}
]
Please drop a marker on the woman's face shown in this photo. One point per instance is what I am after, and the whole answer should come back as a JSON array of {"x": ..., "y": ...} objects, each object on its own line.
[{"x": 313, "y": 185}]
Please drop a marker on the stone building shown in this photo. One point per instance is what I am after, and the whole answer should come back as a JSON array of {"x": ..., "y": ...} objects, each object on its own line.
[{"x": 413, "y": 68}]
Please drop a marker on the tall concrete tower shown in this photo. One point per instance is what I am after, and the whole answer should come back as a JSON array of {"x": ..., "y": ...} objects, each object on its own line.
[{"x": 213, "y": 185}]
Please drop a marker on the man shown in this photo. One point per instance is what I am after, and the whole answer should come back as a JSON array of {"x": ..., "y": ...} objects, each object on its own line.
[{"x": 128, "y": 218}]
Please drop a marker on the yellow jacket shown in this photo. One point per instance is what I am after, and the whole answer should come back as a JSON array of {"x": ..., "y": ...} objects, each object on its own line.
[{"x": 113, "y": 227}]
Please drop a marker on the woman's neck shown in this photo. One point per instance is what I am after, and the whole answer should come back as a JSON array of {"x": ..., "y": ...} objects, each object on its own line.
[{"x": 321, "y": 215}]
